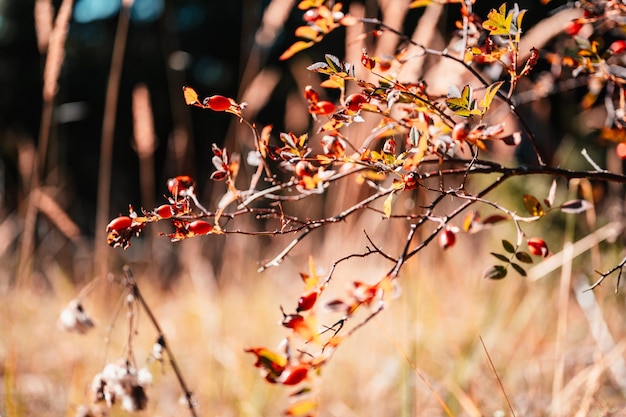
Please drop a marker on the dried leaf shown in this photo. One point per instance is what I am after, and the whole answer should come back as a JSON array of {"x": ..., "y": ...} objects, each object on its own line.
[
  {"x": 575, "y": 206},
  {"x": 549, "y": 201},
  {"x": 495, "y": 218},
  {"x": 533, "y": 206}
]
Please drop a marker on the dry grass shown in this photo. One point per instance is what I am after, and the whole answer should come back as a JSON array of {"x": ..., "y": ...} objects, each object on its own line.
[{"x": 432, "y": 331}]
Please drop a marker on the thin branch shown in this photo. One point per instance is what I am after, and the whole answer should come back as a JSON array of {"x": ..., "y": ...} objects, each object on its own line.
[{"x": 619, "y": 267}]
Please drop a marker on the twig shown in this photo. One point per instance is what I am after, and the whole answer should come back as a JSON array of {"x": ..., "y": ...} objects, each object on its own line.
[{"x": 619, "y": 267}]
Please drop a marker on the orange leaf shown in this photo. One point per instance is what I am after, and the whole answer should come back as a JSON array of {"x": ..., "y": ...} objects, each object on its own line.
[
  {"x": 308, "y": 4},
  {"x": 295, "y": 48},
  {"x": 307, "y": 32},
  {"x": 191, "y": 97}
]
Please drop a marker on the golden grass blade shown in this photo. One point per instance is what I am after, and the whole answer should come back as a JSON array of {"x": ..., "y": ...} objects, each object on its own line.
[{"x": 106, "y": 146}]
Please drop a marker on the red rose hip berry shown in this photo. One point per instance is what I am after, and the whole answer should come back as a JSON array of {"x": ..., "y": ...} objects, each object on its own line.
[{"x": 218, "y": 103}]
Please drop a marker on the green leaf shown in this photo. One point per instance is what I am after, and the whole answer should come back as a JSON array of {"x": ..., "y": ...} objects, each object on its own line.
[
  {"x": 500, "y": 257},
  {"x": 490, "y": 93},
  {"x": 508, "y": 246},
  {"x": 495, "y": 272},
  {"x": 524, "y": 257},
  {"x": 533, "y": 206},
  {"x": 519, "y": 269}
]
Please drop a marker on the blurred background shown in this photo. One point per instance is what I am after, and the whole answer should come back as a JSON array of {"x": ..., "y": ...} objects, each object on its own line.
[{"x": 229, "y": 48}]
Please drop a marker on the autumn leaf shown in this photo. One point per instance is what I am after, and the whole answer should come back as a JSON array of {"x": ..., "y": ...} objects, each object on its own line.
[
  {"x": 460, "y": 102},
  {"x": 191, "y": 97},
  {"x": 533, "y": 206},
  {"x": 387, "y": 205},
  {"x": 419, "y": 3},
  {"x": 301, "y": 408},
  {"x": 498, "y": 21},
  {"x": 490, "y": 94},
  {"x": 309, "y": 4},
  {"x": 295, "y": 48},
  {"x": 272, "y": 364},
  {"x": 575, "y": 206}
]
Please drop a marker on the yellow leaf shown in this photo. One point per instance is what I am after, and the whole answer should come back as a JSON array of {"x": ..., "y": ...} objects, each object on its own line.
[
  {"x": 498, "y": 22},
  {"x": 387, "y": 205},
  {"x": 333, "y": 82},
  {"x": 491, "y": 92},
  {"x": 307, "y": 32},
  {"x": 191, "y": 97},
  {"x": 295, "y": 48},
  {"x": 419, "y": 3},
  {"x": 308, "y": 4},
  {"x": 533, "y": 206},
  {"x": 301, "y": 408}
]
